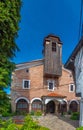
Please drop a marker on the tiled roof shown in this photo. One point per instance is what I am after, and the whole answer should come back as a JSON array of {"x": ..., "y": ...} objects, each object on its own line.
[{"x": 56, "y": 95}]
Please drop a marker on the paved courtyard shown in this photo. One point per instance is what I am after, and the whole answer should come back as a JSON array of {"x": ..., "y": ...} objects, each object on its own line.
[{"x": 58, "y": 123}]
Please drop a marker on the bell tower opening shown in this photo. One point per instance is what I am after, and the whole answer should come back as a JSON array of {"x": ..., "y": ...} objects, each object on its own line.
[{"x": 53, "y": 46}]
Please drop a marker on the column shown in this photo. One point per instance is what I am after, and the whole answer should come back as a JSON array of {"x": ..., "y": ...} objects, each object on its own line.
[
  {"x": 43, "y": 106},
  {"x": 67, "y": 106},
  {"x": 81, "y": 113},
  {"x": 56, "y": 107},
  {"x": 13, "y": 106},
  {"x": 29, "y": 107}
]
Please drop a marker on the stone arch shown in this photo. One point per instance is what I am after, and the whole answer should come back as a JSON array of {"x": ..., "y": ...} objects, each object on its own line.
[
  {"x": 21, "y": 98},
  {"x": 65, "y": 101},
  {"x": 75, "y": 101},
  {"x": 48, "y": 100},
  {"x": 73, "y": 105},
  {"x": 36, "y": 99},
  {"x": 62, "y": 107},
  {"x": 22, "y": 105},
  {"x": 50, "y": 107},
  {"x": 36, "y": 104}
]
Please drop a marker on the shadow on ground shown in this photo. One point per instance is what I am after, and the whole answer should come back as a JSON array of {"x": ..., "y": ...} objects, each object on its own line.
[{"x": 67, "y": 119}]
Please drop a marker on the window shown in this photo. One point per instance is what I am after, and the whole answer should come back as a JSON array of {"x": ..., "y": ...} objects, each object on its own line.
[
  {"x": 27, "y": 70},
  {"x": 22, "y": 105},
  {"x": 26, "y": 84},
  {"x": 53, "y": 46},
  {"x": 36, "y": 105},
  {"x": 50, "y": 85},
  {"x": 71, "y": 88}
]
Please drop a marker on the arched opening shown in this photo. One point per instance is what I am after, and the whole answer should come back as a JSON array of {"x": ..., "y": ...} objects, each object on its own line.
[
  {"x": 36, "y": 105},
  {"x": 22, "y": 106},
  {"x": 50, "y": 107},
  {"x": 62, "y": 107},
  {"x": 73, "y": 106}
]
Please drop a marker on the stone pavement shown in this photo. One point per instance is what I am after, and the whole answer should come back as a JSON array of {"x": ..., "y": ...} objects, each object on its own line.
[{"x": 58, "y": 123}]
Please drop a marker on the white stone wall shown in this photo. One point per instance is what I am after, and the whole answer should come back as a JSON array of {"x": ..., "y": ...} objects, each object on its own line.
[{"x": 79, "y": 72}]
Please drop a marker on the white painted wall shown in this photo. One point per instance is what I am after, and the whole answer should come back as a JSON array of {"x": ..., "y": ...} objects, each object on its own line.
[
  {"x": 79, "y": 71},
  {"x": 79, "y": 80}
]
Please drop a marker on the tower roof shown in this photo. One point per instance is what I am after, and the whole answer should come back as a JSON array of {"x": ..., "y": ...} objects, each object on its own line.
[{"x": 52, "y": 37}]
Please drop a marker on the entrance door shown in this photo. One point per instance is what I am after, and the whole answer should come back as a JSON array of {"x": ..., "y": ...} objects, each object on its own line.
[{"x": 50, "y": 107}]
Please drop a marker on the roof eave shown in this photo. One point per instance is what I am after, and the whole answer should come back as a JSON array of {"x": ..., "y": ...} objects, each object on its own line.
[{"x": 70, "y": 62}]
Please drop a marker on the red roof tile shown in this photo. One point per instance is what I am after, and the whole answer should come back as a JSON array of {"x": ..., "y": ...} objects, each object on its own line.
[{"x": 55, "y": 95}]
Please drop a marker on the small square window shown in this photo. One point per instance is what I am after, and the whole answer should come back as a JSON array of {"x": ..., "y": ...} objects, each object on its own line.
[
  {"x": 27, "y": 70},
  {"x": 71, "y": 88},
  {"x": 50, "y": 85},
  {"x": 26, "y": 84}
]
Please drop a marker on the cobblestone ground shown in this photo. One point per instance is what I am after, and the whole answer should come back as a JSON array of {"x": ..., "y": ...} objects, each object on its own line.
[{"x": 58, "y": 123}]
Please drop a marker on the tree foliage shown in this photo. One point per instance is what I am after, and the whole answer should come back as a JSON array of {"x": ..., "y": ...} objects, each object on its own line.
[{"x": 9, "y": 19}]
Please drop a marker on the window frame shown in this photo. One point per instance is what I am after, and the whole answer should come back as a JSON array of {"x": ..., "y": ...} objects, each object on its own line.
[
  {"x": 23, "y": 84},
  {"x": 70, "y": 88},
  {"x": 51, "y": 81}
]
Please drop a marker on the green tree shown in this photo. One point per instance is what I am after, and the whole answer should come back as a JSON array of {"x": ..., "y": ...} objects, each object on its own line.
[{"x": 9, "y": 26}]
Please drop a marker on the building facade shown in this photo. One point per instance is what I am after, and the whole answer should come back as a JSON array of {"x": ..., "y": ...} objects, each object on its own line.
[
  {"x": 75, "y": 63},
  {"x": 45, "y": 84}
]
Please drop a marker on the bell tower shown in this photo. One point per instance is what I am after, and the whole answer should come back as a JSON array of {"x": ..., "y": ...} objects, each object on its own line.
[{"x": 52, "y": 56}]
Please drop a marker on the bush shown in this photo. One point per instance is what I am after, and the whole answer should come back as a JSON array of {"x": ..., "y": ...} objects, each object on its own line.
[
  {"x": 9, "y": 125},
  {"x": 29, "y": 124},
  {"x": 21, "y": 113},
  {"x": 43, "y": 128},
  {"x": 6, "y": 114},
  {"x": 38, "y": 113},
  {"x": 80, "y": 128},
  {"x": 69, "y": 112},
  {"x": 32, "y": 113},
  {"x": 75, "y": 116}
]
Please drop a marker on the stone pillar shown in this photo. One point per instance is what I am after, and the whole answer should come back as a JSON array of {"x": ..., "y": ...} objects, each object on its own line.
[
  {"x": 44, "y": 106},
  {"x": 67, "y": 106},
  {"x": 81, "y": 113},
  {"x": 56, "y": 107},
  {"x": 29, "y": 107},
  {"x": 13, "y": 106}
]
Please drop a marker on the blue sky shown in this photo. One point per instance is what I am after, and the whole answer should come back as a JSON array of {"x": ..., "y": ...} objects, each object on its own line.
[{"x": 42, "y": 17}]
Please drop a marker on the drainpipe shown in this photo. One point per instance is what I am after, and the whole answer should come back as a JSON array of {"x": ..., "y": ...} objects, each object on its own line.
[{"x": 81, "y": 112}]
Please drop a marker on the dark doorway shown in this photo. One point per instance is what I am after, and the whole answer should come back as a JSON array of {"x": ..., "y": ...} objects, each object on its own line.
[
  {"x": 62, "y": 107},
  {"x": 50, "y": 107}
]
